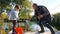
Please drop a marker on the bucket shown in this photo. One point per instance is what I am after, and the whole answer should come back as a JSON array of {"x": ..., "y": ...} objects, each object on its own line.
[{"x": 19, "y": 30}]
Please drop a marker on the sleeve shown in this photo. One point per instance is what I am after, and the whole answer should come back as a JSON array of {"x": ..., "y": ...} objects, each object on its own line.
[
  {"x": 45, "y": 10},
  {"x": 9, "y": 15}
]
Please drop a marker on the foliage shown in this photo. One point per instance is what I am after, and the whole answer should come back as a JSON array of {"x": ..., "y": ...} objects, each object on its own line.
[
  {"x": 56, "y": 21},
  {"x": 25, "y": 4},
  {"x": 24, "y": 12},
  {"x": 3, "y": 15},
  {"x": 4, "y": 3}
]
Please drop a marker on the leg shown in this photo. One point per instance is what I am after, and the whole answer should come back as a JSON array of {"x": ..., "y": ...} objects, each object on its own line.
[
  {"x": 14, "y": 23},
  {"x": 48, "y": 24},
  {"x": 51, "y": 29},
  {"x": 41, "y": 25}
]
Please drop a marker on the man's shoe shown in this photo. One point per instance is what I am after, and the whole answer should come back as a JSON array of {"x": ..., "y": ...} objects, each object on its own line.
[
  {"x": 53, "y": 33},
  {"x": 40, "y": 31}
]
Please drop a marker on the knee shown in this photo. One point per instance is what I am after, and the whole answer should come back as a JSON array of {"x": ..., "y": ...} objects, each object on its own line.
[{"x": 47, "y": 24}]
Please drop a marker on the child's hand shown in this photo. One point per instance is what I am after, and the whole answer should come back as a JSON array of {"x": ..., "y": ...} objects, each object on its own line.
[{"x": 18, "y": 18}]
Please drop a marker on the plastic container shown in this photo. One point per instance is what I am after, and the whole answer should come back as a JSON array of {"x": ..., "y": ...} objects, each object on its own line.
[{"x": 19, "y": 30}]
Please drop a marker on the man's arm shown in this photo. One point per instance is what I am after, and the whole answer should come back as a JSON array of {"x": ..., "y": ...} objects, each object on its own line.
[{"x": 46, "y": 12}]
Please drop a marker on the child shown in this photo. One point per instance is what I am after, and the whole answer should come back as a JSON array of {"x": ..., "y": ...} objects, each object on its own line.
[{"x": 13, "y": 15}]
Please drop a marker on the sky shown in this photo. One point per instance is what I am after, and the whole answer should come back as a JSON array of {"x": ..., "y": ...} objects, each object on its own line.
[{"x": 52, "y": 5}]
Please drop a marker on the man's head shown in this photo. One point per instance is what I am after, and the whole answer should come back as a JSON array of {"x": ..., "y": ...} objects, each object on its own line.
[
  {"x": 16, "y": 7},
  {"x": 35, "y": 6}
]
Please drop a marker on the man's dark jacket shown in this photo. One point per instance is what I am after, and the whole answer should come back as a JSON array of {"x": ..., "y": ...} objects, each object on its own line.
[{"x": 42, "y": 10}]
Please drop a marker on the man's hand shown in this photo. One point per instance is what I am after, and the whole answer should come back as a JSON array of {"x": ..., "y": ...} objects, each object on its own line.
[{"x": 40, "y": 16}]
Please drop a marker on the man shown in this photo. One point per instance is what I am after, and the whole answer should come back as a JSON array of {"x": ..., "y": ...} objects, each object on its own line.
[
  {"x": 13, "y": 15},
  {"x": 43, "y": 17}
]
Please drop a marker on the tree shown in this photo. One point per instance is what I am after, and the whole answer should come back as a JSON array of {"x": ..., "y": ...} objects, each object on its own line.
[
  {"x": 56, "y": 21},
  {"x": 25, "y": 10},
  {"x": 3, "y": 4},
  {"x": 25, "y": 6}
]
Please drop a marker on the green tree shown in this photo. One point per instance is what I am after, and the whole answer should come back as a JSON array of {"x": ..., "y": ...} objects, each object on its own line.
[
  {"x": 25, "y": 9},
  {"x": 56, "y": 21},
  {"x": 25, "y": 6},
  {"x": 3, "y": 4}
]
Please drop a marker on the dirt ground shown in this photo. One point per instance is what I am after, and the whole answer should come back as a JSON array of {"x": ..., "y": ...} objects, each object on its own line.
[{"x": 37, "y": 33}]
